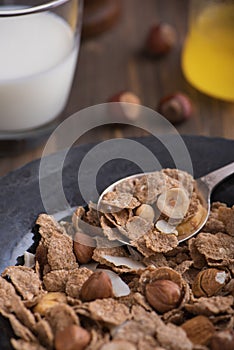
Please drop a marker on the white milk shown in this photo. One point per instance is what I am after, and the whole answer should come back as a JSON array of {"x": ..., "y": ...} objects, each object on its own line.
[{"x": 37, "y": 63}]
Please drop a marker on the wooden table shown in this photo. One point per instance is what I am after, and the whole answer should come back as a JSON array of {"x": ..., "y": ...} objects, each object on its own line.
[{"x": 114, "y": 62}]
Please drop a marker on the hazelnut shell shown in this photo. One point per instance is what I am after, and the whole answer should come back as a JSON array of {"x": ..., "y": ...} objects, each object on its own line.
[
  {"x": 209, "y": 282},
  {"x": 152, "y": 274}
]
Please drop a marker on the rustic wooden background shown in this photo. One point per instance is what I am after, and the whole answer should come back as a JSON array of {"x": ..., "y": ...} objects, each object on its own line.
[{"x": 114, "y": 61}]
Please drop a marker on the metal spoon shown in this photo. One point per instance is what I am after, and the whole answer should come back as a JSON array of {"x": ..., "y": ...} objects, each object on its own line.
[{"x": 205, "y": 186}]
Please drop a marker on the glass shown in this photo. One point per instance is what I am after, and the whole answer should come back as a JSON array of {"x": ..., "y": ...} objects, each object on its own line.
[
  {"x": 39, "y": 43},
  {"x": 208, "y": 54}
]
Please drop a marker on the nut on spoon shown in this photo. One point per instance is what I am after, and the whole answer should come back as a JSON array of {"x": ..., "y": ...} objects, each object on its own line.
[{"x": 204, "y": 186}]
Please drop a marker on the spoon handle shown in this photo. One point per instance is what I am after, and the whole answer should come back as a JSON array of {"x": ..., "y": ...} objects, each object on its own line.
[{"x": 214, "y": 178}]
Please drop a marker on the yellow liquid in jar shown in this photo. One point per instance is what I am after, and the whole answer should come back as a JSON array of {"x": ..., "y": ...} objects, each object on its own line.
[{"x": 208, "y": 55}]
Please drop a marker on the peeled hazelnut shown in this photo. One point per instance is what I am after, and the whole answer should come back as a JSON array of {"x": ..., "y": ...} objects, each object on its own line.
[
  {"x": 72, "y": 338},
  {"x": 199, "y": 330},
  {"x": 176, "y": 108},
  {"x": 209, "y": 282},
  {"x": 160, "y": 40},
  {"x": 129, "y": 110},
  {"x": 83, "y": 252},
  {"x": 49, "y": 300},
  {"x": 118, "y": 345},
  {"x": 174, "y": 203},
  {"x": 146, "y": 212},
  {"x": 163, "y": 295},
  {"x": 97, "y": 286},
  {"x": 222, "y": 340},
  {"x": 193, "y": 222},
  {"x": 125, "y": 96},
  {"x": 164, "y": 227}
]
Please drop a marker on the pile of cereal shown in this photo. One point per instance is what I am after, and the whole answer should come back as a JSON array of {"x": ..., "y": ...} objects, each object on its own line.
[{"x": 85, "y": 291}]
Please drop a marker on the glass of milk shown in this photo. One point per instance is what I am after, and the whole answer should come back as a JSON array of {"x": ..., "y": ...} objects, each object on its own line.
[{"x": 39, "y": 43}]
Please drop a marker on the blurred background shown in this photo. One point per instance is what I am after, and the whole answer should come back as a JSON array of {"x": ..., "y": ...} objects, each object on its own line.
[{"x": 113, "y": 59}]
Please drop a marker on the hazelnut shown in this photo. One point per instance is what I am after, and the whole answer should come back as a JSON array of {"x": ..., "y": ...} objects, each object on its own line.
[
  {"x": 174, "y": 203},
  {"x": 199, "y": 330},
  {"x": 118, "y": 345},
  {"x": 176, "y": 107},
  {"x": 146, "y": 212},
  {"x": 129, "y": 109},
  {"x": 97, "y": 286},
  {"x": 160, "y": 39},
  {"x": 163, "y": 295},
  {"x": 164, "y": 227},
  {"x": 209, "y": 282},
  {"x": 72, "y": 338},
  {"x": 48, "y": 301},
  {"x": 83, "y": 252},
  {"x": 222, "y": 340},
  {"x": 125, "y": 96}
]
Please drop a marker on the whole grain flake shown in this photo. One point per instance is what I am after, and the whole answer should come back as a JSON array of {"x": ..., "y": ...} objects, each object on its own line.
[{"x": 46, "y": 300}]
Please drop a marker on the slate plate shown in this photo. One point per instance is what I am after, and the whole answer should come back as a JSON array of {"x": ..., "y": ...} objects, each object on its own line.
[{"x": 20, "y": 201}]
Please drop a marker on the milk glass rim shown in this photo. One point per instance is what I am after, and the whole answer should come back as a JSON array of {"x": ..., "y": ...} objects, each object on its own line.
[{"x": 33, "y": 9}]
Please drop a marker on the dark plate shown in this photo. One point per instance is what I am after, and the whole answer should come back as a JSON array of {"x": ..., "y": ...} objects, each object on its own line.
[{"x": 21, "y": 203}]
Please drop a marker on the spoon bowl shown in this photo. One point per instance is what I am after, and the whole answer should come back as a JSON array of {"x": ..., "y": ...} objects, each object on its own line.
[{"x": 204, "y": 187}]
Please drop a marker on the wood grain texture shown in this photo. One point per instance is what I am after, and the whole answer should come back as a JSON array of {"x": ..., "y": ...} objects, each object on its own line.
[{"x": 115, "y": 61}]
